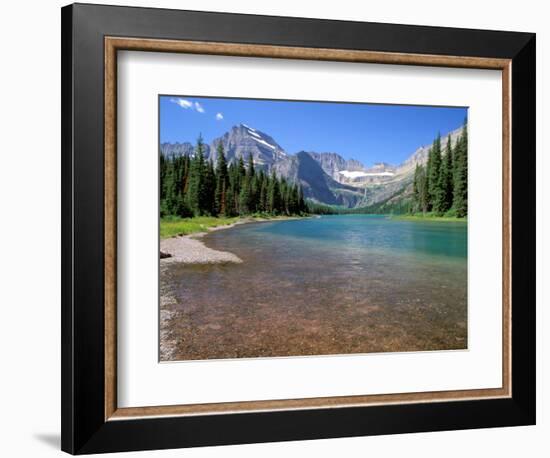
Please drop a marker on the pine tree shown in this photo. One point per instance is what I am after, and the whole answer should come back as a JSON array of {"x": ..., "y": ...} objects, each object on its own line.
[
  {"x": 446, "y": 184},
  {"x": 426, "y": 175},
  {"x": 180, "y": 208},
  {"x": 171, "y": 189},
  {"x": 221, "y": 183},
  {"x": 241, "y": 172},
  {"x": 273, "y": 195},
  {"x": 443, "y": 187},
  {"x": 232, "y": 197},
  {"x": 460, "y": 201},
  {"x": 245, "y": 196},
  {"x": 196, "y": 198},
  {"x": 163, "y": 165},
  {"x": 417, "y": 186},
  {"x": 293, "y": 200},
  {"x": 186, "y": 168},
  {"x": 283, "y": 190},
  {"x": 303, "y": 207},
  {"x": 262, "y": 200},
  {"x": 194, "y": 186},
  {"x": 252, "y": 185},
  {"x": 250, "y": 166},
  {"x": 421, "y": 180},
  {"x": 434, "y": 168},
  {"x": 208, "y": 205}
]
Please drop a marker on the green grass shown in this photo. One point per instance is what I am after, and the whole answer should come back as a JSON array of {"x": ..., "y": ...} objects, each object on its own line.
[
  {"x": 429, "y": 217},
  {"x": 172, "y": 225}
]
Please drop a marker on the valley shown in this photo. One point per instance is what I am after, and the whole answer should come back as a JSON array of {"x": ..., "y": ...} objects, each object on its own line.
[{"x": 326, "y": 177}]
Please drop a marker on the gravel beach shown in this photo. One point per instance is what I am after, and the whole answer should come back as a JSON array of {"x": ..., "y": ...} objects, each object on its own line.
[
  {"x": 189, "y": 250},
  {"x": 186, "y": 249}
]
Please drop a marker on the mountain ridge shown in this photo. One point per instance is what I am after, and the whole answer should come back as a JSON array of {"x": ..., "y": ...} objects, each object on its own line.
[{"x": 326, "y": 177}]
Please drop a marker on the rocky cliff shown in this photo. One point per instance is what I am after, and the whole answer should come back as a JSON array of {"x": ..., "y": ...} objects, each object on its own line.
[{"x": 327, "y": 177}]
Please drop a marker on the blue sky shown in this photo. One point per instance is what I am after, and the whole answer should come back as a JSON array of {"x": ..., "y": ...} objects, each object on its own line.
[{"x": 367, "y": 132}]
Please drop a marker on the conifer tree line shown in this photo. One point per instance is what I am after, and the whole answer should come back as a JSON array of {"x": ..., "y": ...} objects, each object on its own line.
[
  {"x": 194, "y": 186},
  {"x": 441, "y": 186}
]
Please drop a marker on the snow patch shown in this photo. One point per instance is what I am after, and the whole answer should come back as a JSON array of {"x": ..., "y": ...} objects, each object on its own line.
[
  {"x": 254, "y": 134},
  {"x": 358, "y": 174},
  {"x": 249, "y": 128},
  {"x": 263, "y": 142}
]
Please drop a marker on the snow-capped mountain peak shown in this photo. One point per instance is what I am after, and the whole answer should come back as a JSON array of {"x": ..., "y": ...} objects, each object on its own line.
[
  {"x": 325, "y": 177},
  {"x": 243, "y": 140}
]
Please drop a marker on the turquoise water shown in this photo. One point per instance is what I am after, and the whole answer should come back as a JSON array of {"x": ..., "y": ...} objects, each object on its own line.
[
  {"x": 329, "y": 285},
  {"x": 376, "y": 233}
]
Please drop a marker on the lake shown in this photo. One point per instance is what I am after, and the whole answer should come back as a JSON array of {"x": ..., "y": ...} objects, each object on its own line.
[{"x": 321, "y": 286}]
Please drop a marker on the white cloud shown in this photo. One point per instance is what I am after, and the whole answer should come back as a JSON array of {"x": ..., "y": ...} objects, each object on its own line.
[
  {"x": 182, "y": 103},
  {"x": 219, "y": 116},
  {"x": 187, "y": 104}
]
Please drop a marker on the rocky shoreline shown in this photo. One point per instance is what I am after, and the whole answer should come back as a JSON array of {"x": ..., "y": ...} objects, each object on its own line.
[{"x": 189, "y": 249}]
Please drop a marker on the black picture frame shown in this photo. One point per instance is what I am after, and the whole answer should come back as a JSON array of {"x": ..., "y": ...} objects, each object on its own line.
[{"x": 84, "y": 428}]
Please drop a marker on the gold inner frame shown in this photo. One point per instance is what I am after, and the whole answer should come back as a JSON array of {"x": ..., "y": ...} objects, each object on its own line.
[{"x": 114, "y": 44}]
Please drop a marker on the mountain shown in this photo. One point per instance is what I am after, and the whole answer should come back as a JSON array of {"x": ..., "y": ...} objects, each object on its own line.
[
  {"x": 398, "y": 183},
  {"x": 176, "y": 149},
  {"x": 325, "y": 177},
  {"x": 333, "y": 164},
  {"x": 420, "y": 156},
  {"x": 242, "y": 140},
  {"x": 317, "y": 185}
]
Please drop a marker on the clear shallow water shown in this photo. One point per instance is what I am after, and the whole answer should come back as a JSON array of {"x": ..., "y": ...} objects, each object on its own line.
[{"x": 330, "y": 285}]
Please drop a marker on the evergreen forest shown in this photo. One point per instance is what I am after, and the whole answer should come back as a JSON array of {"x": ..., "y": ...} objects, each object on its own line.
[{"x": 193, "y": 186}]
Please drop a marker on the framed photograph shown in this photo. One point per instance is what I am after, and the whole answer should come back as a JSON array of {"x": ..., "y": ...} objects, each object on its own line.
[{"x": 282, "y": 228}]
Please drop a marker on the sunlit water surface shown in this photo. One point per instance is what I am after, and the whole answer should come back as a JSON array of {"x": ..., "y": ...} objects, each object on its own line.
[{"x": 318, "y": 286}]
